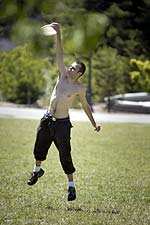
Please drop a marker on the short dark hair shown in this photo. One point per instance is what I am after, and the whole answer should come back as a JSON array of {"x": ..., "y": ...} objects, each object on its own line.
[{"x": 82, "y": 67}]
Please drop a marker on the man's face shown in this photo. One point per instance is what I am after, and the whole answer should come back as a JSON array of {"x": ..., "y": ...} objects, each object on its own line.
[{"x": 73, "y": 70}]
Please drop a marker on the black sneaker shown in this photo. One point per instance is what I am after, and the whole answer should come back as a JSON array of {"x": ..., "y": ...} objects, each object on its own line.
[
  {"x": 71, "y": 193},
  {"x": 34, "y": 177}
]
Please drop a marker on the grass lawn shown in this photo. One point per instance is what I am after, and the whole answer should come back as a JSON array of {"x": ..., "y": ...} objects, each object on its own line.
[{"x": 112, "y": 177}]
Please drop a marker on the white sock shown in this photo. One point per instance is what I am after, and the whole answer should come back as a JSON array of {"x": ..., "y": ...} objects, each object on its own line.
[
  {"x": 71, "y": 183},
  {"x": 36, "y": 168}
]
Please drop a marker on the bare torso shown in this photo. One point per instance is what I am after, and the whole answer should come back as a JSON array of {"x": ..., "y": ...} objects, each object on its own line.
[{"x": 63, "y": 96}]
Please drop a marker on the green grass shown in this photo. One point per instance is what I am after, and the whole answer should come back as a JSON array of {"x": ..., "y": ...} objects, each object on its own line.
[{"x": 112, "y": 177}]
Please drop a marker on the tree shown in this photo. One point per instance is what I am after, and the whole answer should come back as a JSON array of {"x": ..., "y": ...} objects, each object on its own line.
[
  {"x": 129, "y": 29},
  {"x": 108, "y": 74},
  {"x": 22, "y": 78},
  {"x": 140, "y": 75}
]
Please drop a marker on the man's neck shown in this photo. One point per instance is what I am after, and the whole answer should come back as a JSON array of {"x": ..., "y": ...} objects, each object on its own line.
[{"x": 72, "y": 80}]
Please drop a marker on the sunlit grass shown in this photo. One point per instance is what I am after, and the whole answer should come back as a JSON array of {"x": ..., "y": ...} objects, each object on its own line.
[{"x": 112, "y": 177}]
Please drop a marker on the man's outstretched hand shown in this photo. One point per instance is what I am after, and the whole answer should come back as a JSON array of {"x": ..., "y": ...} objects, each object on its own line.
[{"x": 98, "y": 128}]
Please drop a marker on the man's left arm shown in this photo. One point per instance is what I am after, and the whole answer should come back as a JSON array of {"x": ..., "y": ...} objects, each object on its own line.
[{"x": 87, "y": 110}]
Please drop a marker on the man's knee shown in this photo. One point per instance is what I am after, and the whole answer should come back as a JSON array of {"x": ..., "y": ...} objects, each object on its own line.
[
  {"x": 39, "y": 157},
  {"x": 67, "y": 164}
]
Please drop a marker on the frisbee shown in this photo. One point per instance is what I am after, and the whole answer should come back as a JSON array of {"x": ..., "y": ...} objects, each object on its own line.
[{"x": 48, "y": 30}]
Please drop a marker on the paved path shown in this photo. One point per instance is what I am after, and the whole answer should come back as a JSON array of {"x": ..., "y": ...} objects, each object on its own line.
[{"x": 75, "y": 115}]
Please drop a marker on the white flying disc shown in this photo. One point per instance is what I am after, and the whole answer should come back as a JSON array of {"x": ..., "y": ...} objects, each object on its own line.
[{"x": 48, "y": 30}]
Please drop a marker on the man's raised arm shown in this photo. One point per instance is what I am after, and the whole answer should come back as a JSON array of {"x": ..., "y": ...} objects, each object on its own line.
[{"x": 59, "y": 48}]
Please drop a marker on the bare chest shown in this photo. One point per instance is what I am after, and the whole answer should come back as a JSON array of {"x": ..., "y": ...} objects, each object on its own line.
[{"x": 64, "y": 88}]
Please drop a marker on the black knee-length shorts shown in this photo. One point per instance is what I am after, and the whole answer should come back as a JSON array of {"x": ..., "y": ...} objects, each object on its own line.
[{"x": 57, "y": 131}]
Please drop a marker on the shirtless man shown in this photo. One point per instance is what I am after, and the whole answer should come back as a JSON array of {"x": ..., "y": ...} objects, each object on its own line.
[{"x": 55, "y": 125}]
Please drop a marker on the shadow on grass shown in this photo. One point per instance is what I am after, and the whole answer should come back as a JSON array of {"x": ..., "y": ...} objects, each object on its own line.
[
  {"x": 78, "y": 209},
  {"x": 93, "y": 211}
]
